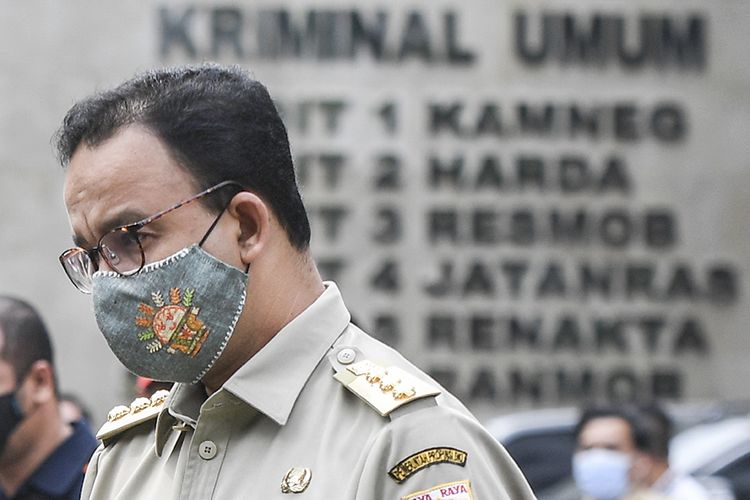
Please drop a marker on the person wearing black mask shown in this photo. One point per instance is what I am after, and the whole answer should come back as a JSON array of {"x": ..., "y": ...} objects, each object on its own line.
[{"x": 41, "y": 456}]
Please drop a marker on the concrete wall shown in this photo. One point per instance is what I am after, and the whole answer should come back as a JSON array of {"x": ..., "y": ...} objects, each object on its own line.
[{"x": 538, "y": 202}]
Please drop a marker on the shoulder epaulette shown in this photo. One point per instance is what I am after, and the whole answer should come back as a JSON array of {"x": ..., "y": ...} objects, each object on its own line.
[
  {"x": 121, "y": 418},
  {"x": 384, "y": 389}
]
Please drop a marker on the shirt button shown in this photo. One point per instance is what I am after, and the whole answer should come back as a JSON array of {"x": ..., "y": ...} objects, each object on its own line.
[
  {"x": 346, "y": 356},
  {"x": 207, "y": 450}
]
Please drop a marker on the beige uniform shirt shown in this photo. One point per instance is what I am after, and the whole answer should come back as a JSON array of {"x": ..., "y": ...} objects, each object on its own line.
[{"x": 284, "y": 423}]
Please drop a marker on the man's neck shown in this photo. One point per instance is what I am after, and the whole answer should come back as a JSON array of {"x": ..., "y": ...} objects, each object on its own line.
[
  {"x": 36, "y": 438},
  {"x": 280, "y": 293}
]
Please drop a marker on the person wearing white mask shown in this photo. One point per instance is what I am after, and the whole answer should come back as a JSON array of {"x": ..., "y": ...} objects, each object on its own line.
[{"x": 609, "y": 463}]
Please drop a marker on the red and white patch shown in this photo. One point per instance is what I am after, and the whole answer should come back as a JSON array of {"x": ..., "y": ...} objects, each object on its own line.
[{"x": 460, "y": 490}]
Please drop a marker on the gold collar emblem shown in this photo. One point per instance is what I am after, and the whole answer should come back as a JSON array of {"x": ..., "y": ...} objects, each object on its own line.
[{"x": 296, "y": 480}]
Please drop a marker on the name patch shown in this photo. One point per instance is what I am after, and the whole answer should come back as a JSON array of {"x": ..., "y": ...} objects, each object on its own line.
[
  {"x": 425, "y": 458},
  {"x": 460, "y": 490}
]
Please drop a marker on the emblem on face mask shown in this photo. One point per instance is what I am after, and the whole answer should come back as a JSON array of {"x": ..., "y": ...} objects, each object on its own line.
[{"x": 173, "y": 326}]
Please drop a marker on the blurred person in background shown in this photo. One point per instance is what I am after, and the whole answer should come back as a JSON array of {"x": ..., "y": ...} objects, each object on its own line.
[
  {"x": 276, "y": 391},
  {"x": 41, "y": 455},
  {"x": 622, "y": 453},
  {"x": 73, "y": 410},
  {"x": 610, "y": 461},
  {"x": 146, "y": 387}
]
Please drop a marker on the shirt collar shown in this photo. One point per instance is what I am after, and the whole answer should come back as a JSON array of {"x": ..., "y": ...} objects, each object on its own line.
[
  {"x": 65, "y": 466},
  {"x": 272, "y": 379},
  {"x": 665, "y": 482}
]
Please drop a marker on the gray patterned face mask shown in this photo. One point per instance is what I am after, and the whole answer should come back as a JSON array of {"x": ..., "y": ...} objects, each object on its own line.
[{"x": 172, "y": 320}]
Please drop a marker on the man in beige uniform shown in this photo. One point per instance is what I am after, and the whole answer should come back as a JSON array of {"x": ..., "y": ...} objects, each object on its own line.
[{"x": 278, "y": 394}]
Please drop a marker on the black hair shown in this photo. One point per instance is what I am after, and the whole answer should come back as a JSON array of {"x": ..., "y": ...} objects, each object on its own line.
[
  {"x": 25, "y": 338},
  {"x": 638, "y": 429},
  {"x": 217, "y": 122},
  {"x": 659, "y": 427}
]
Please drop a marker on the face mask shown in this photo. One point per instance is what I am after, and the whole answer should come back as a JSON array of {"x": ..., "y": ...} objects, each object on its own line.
[
  {"x": 10, "y": 417},
  {"x": 601, "y": 474},
  {"x": 172, "y": 320}
]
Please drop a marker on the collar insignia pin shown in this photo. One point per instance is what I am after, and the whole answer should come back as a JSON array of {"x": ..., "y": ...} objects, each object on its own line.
[{"x": 296, "y": 480}]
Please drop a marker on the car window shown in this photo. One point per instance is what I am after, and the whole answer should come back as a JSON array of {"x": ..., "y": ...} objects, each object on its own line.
[{"x": 543, "y": 457}]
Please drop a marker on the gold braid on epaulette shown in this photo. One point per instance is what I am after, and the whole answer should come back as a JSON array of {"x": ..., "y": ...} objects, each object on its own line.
[
  {"x": 121, "y": 418},
  {"x": 384, "y": 389}
]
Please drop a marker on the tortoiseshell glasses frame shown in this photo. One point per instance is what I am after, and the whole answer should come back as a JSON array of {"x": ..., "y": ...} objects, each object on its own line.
[{"x": 121, "y": 247}]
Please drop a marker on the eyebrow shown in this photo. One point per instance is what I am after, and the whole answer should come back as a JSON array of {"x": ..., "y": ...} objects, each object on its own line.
[{"x": 124, "y": 218}]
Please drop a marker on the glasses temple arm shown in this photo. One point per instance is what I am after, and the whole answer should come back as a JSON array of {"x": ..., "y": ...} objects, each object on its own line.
[{"x": 211, "y": 228}]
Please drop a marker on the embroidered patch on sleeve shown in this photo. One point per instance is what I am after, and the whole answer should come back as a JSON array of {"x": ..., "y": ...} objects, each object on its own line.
[
  {"x": 425, "y": 458},
  {"x": 460, "y": 490}
]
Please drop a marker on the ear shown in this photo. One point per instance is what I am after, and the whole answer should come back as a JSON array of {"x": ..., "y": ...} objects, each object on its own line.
[
  {"x": 254, "y": 224},
  {"x": 39, "y": 383}
]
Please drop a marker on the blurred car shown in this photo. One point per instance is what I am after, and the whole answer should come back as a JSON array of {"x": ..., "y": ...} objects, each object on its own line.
[
  {"x": 718, "y": 449},
  {"x": 541, "y": 442}
]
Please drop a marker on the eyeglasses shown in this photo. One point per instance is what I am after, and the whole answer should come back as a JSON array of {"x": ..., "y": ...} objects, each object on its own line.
[{"x": 121, "y": 247}]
